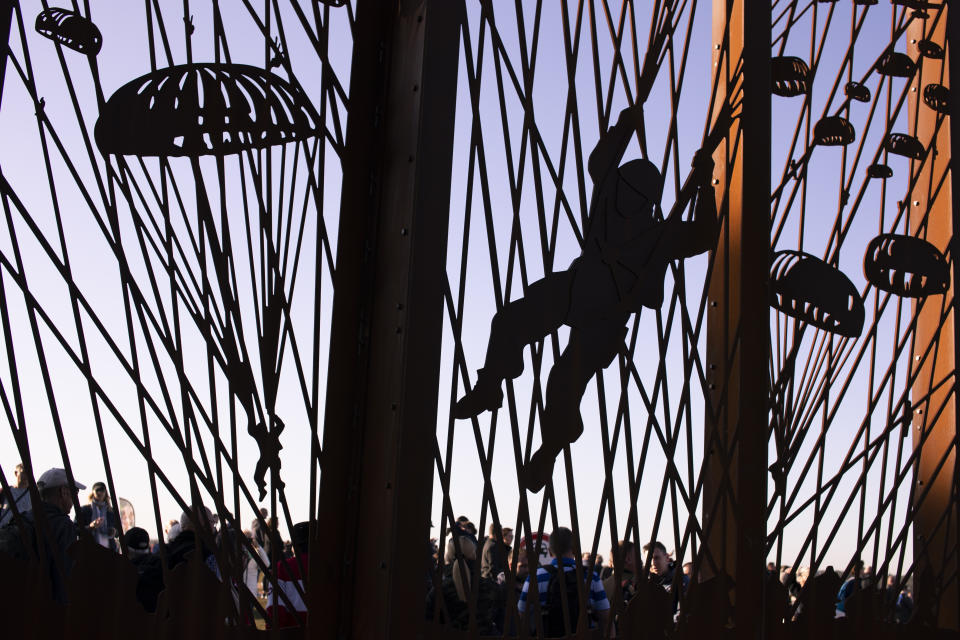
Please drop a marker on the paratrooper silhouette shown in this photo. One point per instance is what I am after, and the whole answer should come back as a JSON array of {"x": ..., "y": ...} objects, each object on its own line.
[{"x": 621, "y": 269}]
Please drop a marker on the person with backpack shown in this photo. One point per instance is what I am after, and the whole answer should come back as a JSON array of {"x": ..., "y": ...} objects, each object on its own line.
[{"x": 554, "y": 587}]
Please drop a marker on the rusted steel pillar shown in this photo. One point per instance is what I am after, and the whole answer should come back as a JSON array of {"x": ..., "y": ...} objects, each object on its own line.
[
  {"x": 935, "y": 516},
  {"x": 369, "y": 555},
  {"x": 738, "y": 322}
]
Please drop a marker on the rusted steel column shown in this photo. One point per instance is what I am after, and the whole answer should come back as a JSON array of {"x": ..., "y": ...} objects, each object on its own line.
[
  {"x": 369, "y": 555},
  {"x": 935, "y": 517},
  {"x": 738, "y": 322}
]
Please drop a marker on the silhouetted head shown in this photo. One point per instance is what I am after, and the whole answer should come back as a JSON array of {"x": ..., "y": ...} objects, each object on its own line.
[
  {"x": 561, "y": 542},
  {"x": 300, "y": 537},
  {"x": 639, "y": 188}
]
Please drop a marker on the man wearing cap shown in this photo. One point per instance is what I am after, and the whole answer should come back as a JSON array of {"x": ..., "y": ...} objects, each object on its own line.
[
  {"x": 99, "y": 518},
  {"x": 55, "y": 528},
  {"x": 626, "y": 251}
]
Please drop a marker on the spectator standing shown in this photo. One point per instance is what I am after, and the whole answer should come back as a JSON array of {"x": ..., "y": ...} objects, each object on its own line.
[
  {"x": 626, "y": 553},
  {"x": 290, "y": 575},
  {"x": 149, "y": 568},
  {"x": 99, "y": 518},
  {"x": 495, "y": 553},
  {"x": 259, "y": 529},
  {"x": 58, "y": 532},
  {"x": 18, "y": 496},
  {"x": 663, "y": 569},
  {"x": 561, "y": 546},
  {"x": 456, "y": 584},
  {"x": 191, "y": 539},
  {"x": 251, "y": 572}
]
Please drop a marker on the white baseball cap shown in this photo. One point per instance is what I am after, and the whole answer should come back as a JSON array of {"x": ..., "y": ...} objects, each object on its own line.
[{"x": 56, "y": 477}]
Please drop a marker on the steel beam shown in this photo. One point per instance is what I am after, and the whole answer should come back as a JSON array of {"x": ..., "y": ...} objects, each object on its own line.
[
  {"x": 738, "y": 324},
  {"x": 383, "y": 376},
  {"x": 936, "y": 520},
  {"x": 6, "y": 16}
]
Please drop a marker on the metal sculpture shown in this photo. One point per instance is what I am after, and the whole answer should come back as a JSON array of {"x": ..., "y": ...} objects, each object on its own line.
[
  {"x": 217, "y": 109},
  {"x": 790, "y": 76},
  {"x": 810, "y": 290},
  {"x": 834, "y": 131},
  {"x": 904, "y": 144},
  {"x": 857, "y": 91},
  {"x": 906, "y": 266},
  {"x": 896, "y": 64},
  {"x": 204, "y": 109},
  {"x": 70, "y": 29},
  {"x": 621, "y": 270}
]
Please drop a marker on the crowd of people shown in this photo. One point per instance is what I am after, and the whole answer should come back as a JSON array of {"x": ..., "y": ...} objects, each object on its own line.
[
  {"x": 482, "y": 583},
  {"x": 505, "y": 601},
  {"x": 265, "y": 574}
]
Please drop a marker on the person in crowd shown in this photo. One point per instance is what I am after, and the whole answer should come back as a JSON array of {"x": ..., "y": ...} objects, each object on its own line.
[
  {"x": 662, "y": 570},
  {"x": 688, "y": 570},
  {"x": 599, "y": 567},
  {"x": 251, "y": 570},
  {"x": 259, "y": 529},
  {"x": 171, "y": 531},
  {"x": 290, "y": 580},
  {"x": 848, "y": 589},
  {"x": 904, "y": 607},
  {"x": 493, "y": 566},
  {"x": 461, "y": 558},
  {"x": 100, "y": 518},
  {"x": 192, "y": 538},
  {"x": 57, "y": 531},
  {"x": 496, "y": 550},
  {"x": 149, "y": 567},
  {"x": 626, "y": 554},
  {"x": 561, "y": 546},
  {"x": 18, "y": 496}
]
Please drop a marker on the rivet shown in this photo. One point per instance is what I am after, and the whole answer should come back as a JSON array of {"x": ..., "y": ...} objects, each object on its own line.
[
  {"x": 416, "y": 87},
  {"x": 916, "y": 203},
  {"x": 716, "y": 181},
  {"x": 717, "y": 47},
  {"x": 399, "y": 329},
  {"x": 403, "y": 231}
]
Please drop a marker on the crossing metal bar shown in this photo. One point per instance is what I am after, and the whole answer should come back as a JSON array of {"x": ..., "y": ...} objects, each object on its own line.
[
  {"x": 6, "y": 16},
  {"x": 936, "y": 518},
  {"x": 376, "y": 465},
  {"x": 738, "y": 313}
]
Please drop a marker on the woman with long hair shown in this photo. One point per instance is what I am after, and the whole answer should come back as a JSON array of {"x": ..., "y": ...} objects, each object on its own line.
[{"x": 99, "y": 518}]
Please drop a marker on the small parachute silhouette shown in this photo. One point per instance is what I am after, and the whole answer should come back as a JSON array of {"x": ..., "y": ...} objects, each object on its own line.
[
  {"x": 70, "y": 29},
  {"x": 906, "y": 266},
  {"x": 790, "y": 76},
  {"x": 812, "y": 291},
  {"x": 204, "y": 109},
  {"x": 834, "y": 131}
]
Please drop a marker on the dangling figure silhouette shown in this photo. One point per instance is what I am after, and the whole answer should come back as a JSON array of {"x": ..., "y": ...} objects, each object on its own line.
[
  {"x": 269, "y": 443},
  {"x": 621, "y": 269}
]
